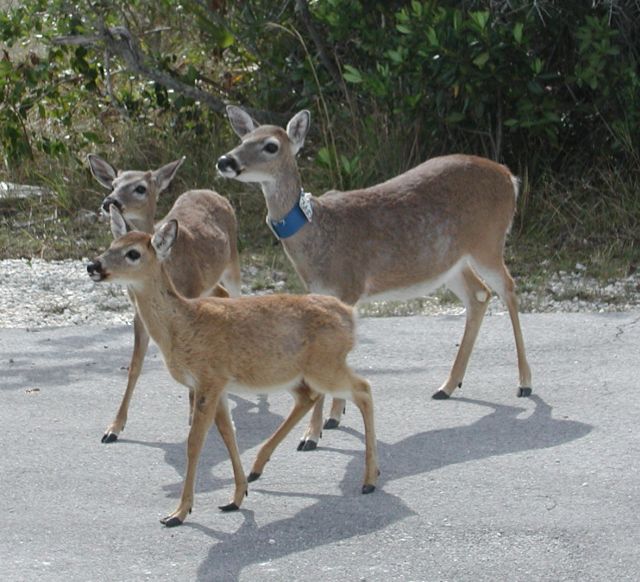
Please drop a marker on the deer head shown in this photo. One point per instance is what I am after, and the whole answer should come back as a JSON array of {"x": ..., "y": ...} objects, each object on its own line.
[{"x": 134, "y": 193}]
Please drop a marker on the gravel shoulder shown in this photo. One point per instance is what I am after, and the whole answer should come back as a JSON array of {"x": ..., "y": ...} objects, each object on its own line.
[{"x": 37, "y": 293}]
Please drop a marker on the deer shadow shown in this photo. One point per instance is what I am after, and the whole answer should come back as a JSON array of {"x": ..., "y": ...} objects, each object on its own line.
[
  {"x": 500, "y": 432},
  {"x": 246, "y": 413}
]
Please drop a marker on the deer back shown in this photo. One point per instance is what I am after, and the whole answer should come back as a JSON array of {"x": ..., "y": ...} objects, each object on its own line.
[
  {"x": 207, "y": 239},
  {"x": 410, "y": 229}
]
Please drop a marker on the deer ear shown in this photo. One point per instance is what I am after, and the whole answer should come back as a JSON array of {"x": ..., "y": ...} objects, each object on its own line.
[
  {"x": 164, "y": 238},
  {"x": 102, "y": 170},
  {"x": 241, "y": 122},
  {"x": 297, "y": 129},
  {"x": 119, "y": 225},
  {"x": 163, "y": 176}
]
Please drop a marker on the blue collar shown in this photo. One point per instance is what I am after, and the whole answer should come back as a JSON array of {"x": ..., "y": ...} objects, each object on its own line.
[{"x": 295, "y": 219}]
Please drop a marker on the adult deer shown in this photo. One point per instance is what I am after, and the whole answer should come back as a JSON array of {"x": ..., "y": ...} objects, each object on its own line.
[
  {"x": 442, "y": 222},
  {"x": 281, "y": 342},
  {"x": 205, "y": 252}
]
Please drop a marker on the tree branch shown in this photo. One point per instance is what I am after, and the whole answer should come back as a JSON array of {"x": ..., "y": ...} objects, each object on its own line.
[{"x": 119, "y": 41}]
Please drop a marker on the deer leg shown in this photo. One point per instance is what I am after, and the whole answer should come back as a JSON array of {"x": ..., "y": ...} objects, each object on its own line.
[
  {"x": 343, "y": 379},
  {"x": 304, "y": 399},
  {"x": 361, "y": 393},
  {"x": 228, "y": 434},
  {"x": 203, "y": 415},
  {"x": 500, "y": 279},
  {"x": 335, "y": 414},
  {"x": 140, "y": 345},
  {"x": 313, "y": 432},
  {"x": 475, "y": 295},
  {"x": 192, "y": 403}
]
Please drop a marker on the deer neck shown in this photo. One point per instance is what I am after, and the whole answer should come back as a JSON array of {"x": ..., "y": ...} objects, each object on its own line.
[
  {"x": 143, "y": 223},
  {"x": 161, "y": 308},
  {"x": 283, "y": 192}
]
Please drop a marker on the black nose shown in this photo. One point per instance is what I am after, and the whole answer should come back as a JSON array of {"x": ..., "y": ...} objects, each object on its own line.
[
  {"x": 227, "y": 163},
  {"x": 94, "y": 267},
  {"x": 108, "y": 201}
]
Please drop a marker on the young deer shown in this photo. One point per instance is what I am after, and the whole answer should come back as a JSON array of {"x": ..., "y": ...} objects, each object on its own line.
[
  {"x": 206, "y": 251},
  {"x": 442, "y": 222},
  {"x": 261, "y": 344}
]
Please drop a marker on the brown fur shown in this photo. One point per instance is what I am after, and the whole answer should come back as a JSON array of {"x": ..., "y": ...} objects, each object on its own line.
[
  {"x": 299, "y": 343},
  {"x": 205, "y": 251}
]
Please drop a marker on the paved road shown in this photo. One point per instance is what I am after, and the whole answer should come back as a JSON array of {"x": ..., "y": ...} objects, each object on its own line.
[{"x": 484, "y": 486}]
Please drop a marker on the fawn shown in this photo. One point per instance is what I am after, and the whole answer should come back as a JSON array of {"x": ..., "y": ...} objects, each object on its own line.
[{"x": 213, "y": 346}]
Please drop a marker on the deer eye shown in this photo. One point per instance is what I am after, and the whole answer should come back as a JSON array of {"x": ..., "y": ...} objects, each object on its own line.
[
  {"x": 271, "y": 148},
  {"x": 132, "y": 255},
  {"x": 140, "y": 189}
]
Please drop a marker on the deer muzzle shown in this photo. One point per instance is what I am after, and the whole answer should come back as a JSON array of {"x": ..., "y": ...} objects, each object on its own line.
[
  {"x": 108, "y": 201},
  {"x": 94, "y": 269},
  {"x": 228, "y": 166}
]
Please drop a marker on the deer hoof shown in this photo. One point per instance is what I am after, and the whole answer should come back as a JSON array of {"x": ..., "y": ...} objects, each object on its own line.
[
  {"x": 440, "y": 395},
  {"x": 331, "y": 423},
  {"x": 109, "y": 437},
  {"x": 368, "y": 489},
  {"x": 523, "y": 391},
  {"x": 307, "y": 445},
  {"x": 171, "y": 521},
  {"x": 229, "y": 507},
  {"x": 253, "y": 477}
]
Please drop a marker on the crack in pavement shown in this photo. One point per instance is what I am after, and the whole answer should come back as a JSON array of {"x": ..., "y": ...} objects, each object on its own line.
[{"x": 621, "y": 328}]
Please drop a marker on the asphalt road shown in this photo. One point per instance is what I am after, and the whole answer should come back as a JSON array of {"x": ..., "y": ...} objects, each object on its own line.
[{"x": 484, "y": 486}]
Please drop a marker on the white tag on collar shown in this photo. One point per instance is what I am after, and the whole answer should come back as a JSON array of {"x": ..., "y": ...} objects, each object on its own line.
[{"x": 305, "y": 205}]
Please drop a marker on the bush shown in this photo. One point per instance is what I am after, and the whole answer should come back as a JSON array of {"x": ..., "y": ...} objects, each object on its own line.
[{"x": 533, "y": 84}]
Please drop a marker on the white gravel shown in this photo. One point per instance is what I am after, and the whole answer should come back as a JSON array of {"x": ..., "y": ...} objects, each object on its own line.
[{"x": 37, "y": 293}]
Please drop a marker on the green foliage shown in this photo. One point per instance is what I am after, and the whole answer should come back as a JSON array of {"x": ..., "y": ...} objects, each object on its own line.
[
  {"x": 529, "y": 83},
  {"x": 24, "y": 87}
]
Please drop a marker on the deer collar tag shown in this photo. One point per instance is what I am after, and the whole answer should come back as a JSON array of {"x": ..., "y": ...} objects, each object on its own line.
[{"x": 295, "y": 219}]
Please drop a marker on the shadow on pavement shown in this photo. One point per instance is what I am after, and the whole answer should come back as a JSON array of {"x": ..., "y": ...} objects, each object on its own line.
[
  {"x": 339, "y": 517},
  {"x": 245, "y": 414}
]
